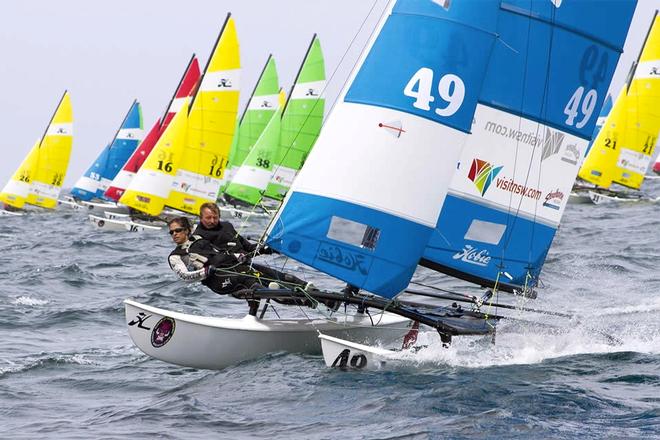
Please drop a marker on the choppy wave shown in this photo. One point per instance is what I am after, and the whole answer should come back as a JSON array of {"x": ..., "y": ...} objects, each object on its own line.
[{"x": 66, "y": 355}]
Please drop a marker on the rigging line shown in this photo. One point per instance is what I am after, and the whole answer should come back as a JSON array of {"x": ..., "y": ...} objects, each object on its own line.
[
  {"x": 544, "y": 112},
  {"x": 329, "y": 80},
  {"x": 544, "y": 109},
  {"x": 163, "y": 284},
  {"x": 326, "y": 86}
]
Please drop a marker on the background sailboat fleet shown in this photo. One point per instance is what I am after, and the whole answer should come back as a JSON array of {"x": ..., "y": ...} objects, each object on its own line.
[{"x": 415, "y": 165}]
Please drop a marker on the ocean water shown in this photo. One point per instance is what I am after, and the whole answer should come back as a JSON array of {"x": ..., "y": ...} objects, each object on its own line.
[{"x": 68, "y": 368}]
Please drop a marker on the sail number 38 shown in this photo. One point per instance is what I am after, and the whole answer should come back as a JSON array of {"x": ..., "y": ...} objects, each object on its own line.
[{"x": 450, "y": 88}]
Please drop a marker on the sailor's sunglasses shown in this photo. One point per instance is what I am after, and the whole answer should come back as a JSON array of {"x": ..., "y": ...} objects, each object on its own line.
[{"x": 176, "y": 230}]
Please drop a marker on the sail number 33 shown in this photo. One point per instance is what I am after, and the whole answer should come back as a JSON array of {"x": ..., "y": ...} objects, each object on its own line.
[{"x": 450, "y": 88}]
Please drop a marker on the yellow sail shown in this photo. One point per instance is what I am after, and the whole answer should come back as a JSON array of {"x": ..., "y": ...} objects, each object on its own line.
[
  {"x": 623, "y": 149},
  {"x": 16, "y": 190},
  {"x": 211, "y": 125},
  {"x": 600, "y": 164},
  {"x": 642, "y": 114},
  {"x": 53, "y": 161},
  {"x": 150, "y": 188}
]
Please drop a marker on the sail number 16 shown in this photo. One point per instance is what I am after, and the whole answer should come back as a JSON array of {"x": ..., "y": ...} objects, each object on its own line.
[{"x": 450, "y": 88}]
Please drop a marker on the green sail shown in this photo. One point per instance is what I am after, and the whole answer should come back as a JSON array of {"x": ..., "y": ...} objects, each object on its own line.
[
  {"x": 249, "y": 183},
  {"x": 301, "y": 121},
  {"x": 258, "y": 111}
]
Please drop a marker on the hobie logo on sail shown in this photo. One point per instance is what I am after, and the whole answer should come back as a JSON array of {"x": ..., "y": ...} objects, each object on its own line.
[
  {"x": 342, "y": 257},
  {"x": 557, "y": 3},
  {"x": 482, "y": 174},
  {"x": 472, "y": 255}
]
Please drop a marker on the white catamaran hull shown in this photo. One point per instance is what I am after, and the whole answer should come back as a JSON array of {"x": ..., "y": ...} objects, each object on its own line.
[
  {"x": 101, "y": 207},
  {"x": 579, "y": 197},
  {"x": 242, "y": 214},
  {"x": 601, "y": 199},
  {"x": 215, "y": 343},
  {"x": 107, "y": 224},
  {"x": 9, "y": 213},
  {"x": 351, "y": 355},
  {"x": 69, "y": 204}
]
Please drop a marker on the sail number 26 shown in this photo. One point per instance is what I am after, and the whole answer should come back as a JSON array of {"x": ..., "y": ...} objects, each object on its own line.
[{"x": 450, "y": 88}]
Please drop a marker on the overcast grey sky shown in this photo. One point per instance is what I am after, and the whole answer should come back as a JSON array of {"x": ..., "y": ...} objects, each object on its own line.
[{"x": 106, "y": 53}]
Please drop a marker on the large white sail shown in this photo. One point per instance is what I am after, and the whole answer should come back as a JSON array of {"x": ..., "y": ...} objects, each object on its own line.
[{"x": 365, "y": 204}]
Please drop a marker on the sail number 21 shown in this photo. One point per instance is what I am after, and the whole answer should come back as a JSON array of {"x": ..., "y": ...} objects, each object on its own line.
[{"x": 450, "y": 88}]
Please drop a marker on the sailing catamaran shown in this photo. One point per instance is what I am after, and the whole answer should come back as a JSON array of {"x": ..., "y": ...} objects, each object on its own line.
[
  {"x": 38, "y": 180},
  {"x": 487, "y": 110},
  {"x": 491, "y": 147},
  {"x": 185, "y": 167},
  {"x": 624, "y": 147},
  {"x": 264, "y": 102},
  {"x": 184, "y": 89},
  {"x": 92, "y": 185},
  {"x": 113, "y": 221},
  {"x": 285, "y": 142}
]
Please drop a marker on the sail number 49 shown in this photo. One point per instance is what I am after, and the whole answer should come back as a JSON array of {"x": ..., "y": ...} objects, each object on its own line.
[
  {"x": 450, "y": 88},
  {"x": 584, "y": 102}
]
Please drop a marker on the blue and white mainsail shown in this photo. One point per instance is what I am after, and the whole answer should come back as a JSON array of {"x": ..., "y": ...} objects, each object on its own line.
[
  {"x": 367, "y": 200},
  {"x": 547, "y": 79},
  {"x": 103, "y": 170}
]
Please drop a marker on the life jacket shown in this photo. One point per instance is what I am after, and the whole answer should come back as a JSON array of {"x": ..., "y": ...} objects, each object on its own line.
[
  {"x": 225, "y": 237},
  {"x": 203, "y": 251}
]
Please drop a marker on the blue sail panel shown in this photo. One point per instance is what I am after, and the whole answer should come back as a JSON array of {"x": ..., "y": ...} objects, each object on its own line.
[
  {"x": 546, "y": 80},
  {"x": 488, "y": 246},
  {"x": 87, "y": 186},
  {"x": 556, "y": 74},
  {"x": 349, "y": 242},
  {"x": 365, "y": 204},
  {"x": 427, "y": 59},
  {"x": 124, "y": 144},
  {"x": 591, "y": 18}
]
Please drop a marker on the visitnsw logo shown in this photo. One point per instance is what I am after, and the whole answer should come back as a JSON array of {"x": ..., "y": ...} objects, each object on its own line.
[{"x": 482, "y": 174}]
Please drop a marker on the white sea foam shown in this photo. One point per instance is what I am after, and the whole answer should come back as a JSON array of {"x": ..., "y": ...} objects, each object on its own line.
[{"x": 29, "y": 301}]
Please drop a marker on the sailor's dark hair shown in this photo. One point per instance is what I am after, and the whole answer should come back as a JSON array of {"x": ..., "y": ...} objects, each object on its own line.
[{"x": 181, "y": 221}]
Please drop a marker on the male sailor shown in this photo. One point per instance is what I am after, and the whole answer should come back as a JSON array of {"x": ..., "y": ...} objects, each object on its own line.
[{"x": 222, "y": 234}]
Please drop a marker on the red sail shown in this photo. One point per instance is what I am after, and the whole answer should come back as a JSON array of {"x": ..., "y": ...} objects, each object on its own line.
[{"x": 185, "y": 89}]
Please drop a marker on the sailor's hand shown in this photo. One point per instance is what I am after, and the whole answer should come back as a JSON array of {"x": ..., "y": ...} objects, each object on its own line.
[
  {"x": 266, "y": 250},
  {"x": 210, "y": 270},
  {"x": 242, "y": 258}
]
